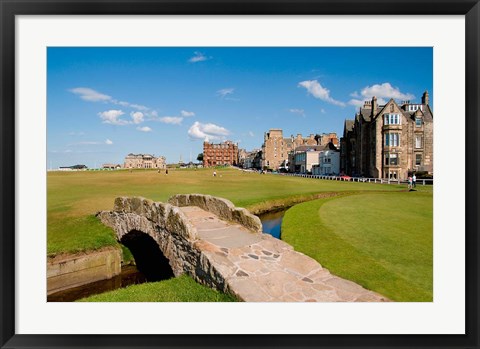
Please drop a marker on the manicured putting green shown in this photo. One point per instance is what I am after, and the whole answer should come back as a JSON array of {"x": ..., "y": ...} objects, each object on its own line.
[{"x": 383, "y": 241}]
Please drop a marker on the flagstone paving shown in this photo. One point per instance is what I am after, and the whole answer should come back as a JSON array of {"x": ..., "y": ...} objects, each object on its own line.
[{"x": 260, "y": 268}]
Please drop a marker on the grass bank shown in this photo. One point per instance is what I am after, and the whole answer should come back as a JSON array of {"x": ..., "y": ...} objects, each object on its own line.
[
  {"x": 383, "y": 241},
  {"x": 180, "y": 289}
]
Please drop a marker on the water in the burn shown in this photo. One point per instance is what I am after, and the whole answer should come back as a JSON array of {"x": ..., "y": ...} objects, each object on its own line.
[{"x": 272, "y": 223}]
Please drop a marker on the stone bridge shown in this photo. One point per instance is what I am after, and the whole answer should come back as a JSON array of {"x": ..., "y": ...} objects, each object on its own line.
[{"x": 223, "y": 247}]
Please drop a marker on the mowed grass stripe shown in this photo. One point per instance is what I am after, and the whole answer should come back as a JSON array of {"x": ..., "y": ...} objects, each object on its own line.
[{"x": 354, "y": 237}]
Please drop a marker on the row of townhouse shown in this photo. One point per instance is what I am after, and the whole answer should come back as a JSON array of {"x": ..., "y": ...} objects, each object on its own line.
[{"x": 294, "y": 154}]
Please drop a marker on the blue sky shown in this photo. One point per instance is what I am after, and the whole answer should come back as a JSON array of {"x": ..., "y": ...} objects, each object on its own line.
[{"x": 103, "y": 103}]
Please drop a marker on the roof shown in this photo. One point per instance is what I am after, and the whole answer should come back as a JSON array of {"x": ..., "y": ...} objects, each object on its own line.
[
  {"x": 330, "y": 146},
  {"x": 349, "y": 125},
  {"x": 309, "y": 147},
  {"x": 366, "y": 113}
]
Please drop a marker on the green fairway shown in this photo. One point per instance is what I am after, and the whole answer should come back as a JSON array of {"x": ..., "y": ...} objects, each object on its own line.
[
  {"x": 377, "y": 235},
  {"x": 383, "y": 241},
  {"x": 180, "y": 289},
  {"x": 74, "y": 197}
]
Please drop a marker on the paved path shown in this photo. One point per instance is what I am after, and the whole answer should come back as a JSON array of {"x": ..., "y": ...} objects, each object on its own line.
[{"x": 260, "y": 268}]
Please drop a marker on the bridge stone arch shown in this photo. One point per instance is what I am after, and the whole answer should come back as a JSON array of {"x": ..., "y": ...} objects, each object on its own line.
[{"x": 173, "y": 232}]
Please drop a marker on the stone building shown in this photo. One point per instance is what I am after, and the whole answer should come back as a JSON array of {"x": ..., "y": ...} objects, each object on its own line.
[
  {"x": 252, "y": 159},
  {"x": 389, "y": 141},
  {"x": 225, "y": 153},
  {"x": 278, "y": 152},
  {"x": 144, "y": 161}
]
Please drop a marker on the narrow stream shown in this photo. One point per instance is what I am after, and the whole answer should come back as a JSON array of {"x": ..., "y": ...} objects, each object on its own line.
[
  {"x": 129, "y": 276},
  {"x": 272, "y": 223}
]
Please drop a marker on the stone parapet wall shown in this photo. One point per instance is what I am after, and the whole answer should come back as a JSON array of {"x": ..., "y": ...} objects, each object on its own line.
[
  {"x": 176, "y": 237},
  {"x": 68, "y": 271},
  {"x": 164, "y": 215},
  {"x": 222, "y": 208}
]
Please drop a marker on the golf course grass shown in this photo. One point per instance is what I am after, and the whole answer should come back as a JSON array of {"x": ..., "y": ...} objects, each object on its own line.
[
  {"x": 377, "y": 235},
  {"x": 74, "y": 197},
  {"x": 382, "y": 241},
  {"x": 180, "y": 289}
]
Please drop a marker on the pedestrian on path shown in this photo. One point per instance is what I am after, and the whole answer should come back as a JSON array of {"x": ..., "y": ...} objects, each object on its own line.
[{"x": 414, "y": 180}]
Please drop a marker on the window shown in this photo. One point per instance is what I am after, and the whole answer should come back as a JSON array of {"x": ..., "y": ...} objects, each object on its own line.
[
  {"x": 392, "y": 139},
  {"x": 392, "y": 119},
  {"x": 391, "y": 159},
  {"x": 418, "y": 142},
  {"x": 418, "y": 159},
  {"x": 418, "y": 122}
]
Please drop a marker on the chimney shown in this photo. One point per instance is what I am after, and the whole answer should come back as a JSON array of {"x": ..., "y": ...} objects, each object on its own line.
[
  {"x": 425, "y": 98},
  {"x": 374, "y": 105}
]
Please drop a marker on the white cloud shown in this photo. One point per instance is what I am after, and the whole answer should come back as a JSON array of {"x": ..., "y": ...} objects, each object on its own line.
[
  {"x": 187, "y": 113},
  {"x": 152, "y": 114},
  {"x": 383, "y": 92},
  {"x": 297, "y": 111},
  {"x": 225, "y": 92},
  {"x": 112, "y": 117},
  {"x": 207, "y": 131},
  {"x": 139, "y": 107},
  {"x": 137, "y": 117},
  {"x": 76, "y": 133},
  {"x": 144, "y": 129},
  {"x": 198, "y": 57},
  {"x": 355, "y": 94},
  {"x": 108, "y": 141},
  {"x": 318, "y": 91},
  {"x": 86, "y": 143},
  {"x": 90, "y": 95},
  {"x": 174, "y": 120},
  {"x": 251, "y": 134},
  {"x": 322, "y": 111},
  {"x": 356, "y": 102}
]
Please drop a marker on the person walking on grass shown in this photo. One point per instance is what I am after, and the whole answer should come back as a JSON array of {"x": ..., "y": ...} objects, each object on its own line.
[
  {"x": 409, "y": 182},
  {"x": 414, "y": 181}
]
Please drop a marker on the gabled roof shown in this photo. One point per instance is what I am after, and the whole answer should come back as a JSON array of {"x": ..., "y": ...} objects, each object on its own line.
[
  {"x": 366, "y": 113},
  {"x": 349, "y": 125}
]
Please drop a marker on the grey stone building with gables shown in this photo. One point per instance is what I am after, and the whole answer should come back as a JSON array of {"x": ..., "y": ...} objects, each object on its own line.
[{"x": 388, "y": 141}]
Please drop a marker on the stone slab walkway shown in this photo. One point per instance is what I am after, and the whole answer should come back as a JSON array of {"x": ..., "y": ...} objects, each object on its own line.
[{"x": 261, "y": 268}]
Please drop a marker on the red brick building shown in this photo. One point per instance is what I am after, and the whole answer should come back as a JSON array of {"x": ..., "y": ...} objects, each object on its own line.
[{"x": 225, "y": 153}]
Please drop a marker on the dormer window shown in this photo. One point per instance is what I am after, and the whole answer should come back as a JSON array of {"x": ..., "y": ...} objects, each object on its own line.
[
  {"x": 418, "y": 122},
  {"x": 392, "y": 119}
]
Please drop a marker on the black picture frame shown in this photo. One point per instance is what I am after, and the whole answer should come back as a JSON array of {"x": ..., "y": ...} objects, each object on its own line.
[{"x": 11, "y": 8}]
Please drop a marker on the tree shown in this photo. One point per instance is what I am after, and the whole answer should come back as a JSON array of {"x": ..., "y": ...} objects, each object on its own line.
[{"x": 200, "y": 157}]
